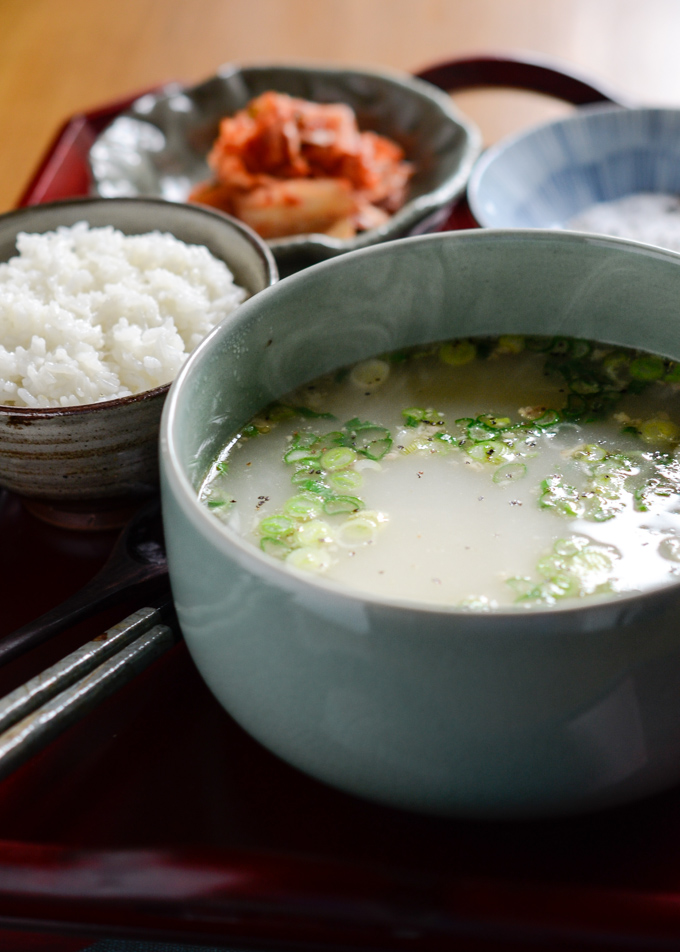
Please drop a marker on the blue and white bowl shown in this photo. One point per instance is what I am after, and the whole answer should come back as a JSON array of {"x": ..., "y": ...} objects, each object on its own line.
[{"x": 544, "y": 177}]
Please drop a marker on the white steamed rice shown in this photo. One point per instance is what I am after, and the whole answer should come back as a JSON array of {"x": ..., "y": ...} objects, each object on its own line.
[{"x": 90, "y": 314}]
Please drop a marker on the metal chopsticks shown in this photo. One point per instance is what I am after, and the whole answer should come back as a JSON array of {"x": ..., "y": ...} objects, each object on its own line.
[{"x": 38, "y": 711}]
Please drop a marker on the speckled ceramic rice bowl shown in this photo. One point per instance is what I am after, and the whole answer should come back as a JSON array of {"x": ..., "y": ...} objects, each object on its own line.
[{"x": 88, "y": 465}]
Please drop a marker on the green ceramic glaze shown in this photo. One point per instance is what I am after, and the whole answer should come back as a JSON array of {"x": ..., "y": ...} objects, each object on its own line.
[{"x": 507, "y": 714}]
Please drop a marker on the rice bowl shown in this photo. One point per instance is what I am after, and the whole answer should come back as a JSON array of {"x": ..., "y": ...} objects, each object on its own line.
[
  {"x": 90, "y": 464},
  {"x": 93, "y": 314}
]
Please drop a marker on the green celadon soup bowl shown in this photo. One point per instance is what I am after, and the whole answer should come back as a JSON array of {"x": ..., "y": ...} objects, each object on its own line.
[{"x": 510, "y": 713}]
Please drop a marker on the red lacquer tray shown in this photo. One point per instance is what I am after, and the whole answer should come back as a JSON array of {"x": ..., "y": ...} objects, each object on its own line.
[{"x": 156, "y": 816}]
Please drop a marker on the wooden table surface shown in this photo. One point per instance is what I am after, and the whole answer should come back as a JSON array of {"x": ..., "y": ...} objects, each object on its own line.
[{"x": 58, "y": 57}]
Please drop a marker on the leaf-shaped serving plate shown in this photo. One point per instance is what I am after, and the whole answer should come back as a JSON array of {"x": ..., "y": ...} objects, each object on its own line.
[{"x": 158, "y": 147}]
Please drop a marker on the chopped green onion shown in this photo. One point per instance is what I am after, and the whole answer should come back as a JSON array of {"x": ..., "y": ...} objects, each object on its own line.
[
  {"x": 363, "y": 433},
  {"x": 306, "y": 474},
  {"x": 561, "y": 345},
  {"x": 274, "y": 547},
  {"x": 301, "y": 455},
  {"x": 588, "y": 560},
  {"x": 332, "y": 438},
  {"x": 590, "y": 452},
  {"x": 480, "y": 432},
  {"x": 413, "y": 416},
  {"x": 585, "y": 385},
  {"x": 342, "y": 504},
  {"x": 601, "y": 510},
  {"x": 490, "y": 451},
  {"x": 510, "y": 344},
  {"x": 549, "y": 418},
  {"x": 356, "y": 531},
  {"x": 659, "y": 431},
  {"x": 457, "y": 353},
  {"x": 304, "y": 440},
  {"x": 276, "y": 526},
  {"x": 647, "y": 367},
  {"x": 277, "y": 412},
  {"x": 616, "y": 367},
  {"x": 520, "y": 584},
  {"x": 606, "y": 485},
  {"x": 509, "y": 472},
  {"x": 576, "y": 406},
  {"x": 642, "y": 495},
  {"x": 303, "y": 506},
  {"x": 570, "y": 546},
  {"x": 560, "y": 498},
  {"x": 310, "y": 558},
  {"x": 376, "y": 449},
  {"x": 314, "y": 531},
  {"x": 494, "y": 422},
  {"x": 346, "y": 479},
  {"x": 562, "y": 585},
  {"x": 370, "y": 373},
  {"x": 580, "y": 348},
  {"x": 338, "y": 458},
  {"x": 315, "y": 486}
]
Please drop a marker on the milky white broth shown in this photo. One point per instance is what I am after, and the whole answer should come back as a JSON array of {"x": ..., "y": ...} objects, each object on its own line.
[{"x": 557, "y": 482}]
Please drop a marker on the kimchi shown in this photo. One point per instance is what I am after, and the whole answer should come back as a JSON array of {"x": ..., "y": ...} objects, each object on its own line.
[{"x": 286, "y": 166}]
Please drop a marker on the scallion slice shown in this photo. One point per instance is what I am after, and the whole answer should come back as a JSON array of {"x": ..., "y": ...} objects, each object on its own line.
[
  {"x": 490, "y": 451},
  {"x": 301, "y": 455},
  {"x": 549, "y": 418},
  {"x": 647, "y": 367},
  {"x": 313, "y": 531},
  {"x": 659, "y": 431},
  {"x": 510, "y": 472},
  {"x": 494, "y": 422},
  {"x": 310, "y": 558},
  {"x": 337, "y": 458},
  {"x": 303, "y": 506},
  {"x": 356, "y": 531},
  {"x": 342, "y": 504},
  {"x": 346, "y": 479},
  {"x": 276, "y": 526},
  {"x": 413, "y": 415},
  {"x": 275, "y": 547},
  {"x": 376, "y": 449},
  {"x": 456, "y": 353}
]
